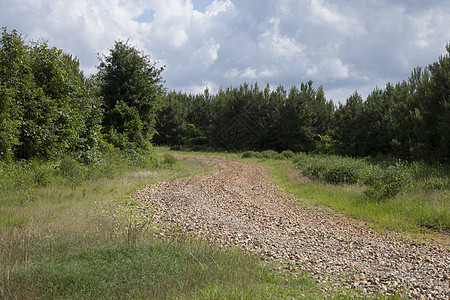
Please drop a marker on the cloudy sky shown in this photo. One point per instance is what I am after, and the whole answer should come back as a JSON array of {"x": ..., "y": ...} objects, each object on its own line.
[{"x": 343, "y": 45}]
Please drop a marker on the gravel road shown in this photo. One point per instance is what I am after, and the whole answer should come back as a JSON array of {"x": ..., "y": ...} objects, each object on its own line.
[{"x": 239, "y": 205}]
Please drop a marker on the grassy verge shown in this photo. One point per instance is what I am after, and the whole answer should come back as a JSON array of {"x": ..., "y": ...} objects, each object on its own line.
[
  {"x": 71, "y": 238},
  {"x": 81, "y": 267},
  {"x": 417, "y": 212}
]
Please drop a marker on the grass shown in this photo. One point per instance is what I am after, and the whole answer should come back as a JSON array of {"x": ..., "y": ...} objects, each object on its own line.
[
  {"x": 106, "y": 268},
  {"x": 76, "y": 238},
  {"x": 414, "y": 212}
]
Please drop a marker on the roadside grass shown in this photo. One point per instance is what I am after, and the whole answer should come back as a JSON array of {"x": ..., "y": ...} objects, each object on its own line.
[
  {"x": 95, "y": 267},
  {"x": 414, "y": 212},
  {"x": 77, "y": 238}
]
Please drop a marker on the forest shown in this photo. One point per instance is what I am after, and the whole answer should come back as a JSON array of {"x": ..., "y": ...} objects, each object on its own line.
[{"x": 49, "y": 109}]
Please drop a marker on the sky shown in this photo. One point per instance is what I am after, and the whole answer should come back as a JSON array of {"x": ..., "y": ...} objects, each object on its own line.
[{"x": 343, "y": 45}]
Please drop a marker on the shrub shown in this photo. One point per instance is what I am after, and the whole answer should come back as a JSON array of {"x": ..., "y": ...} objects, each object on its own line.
[
  {"x": 140, "y": 158},
  {"x": 393, "y": 180},
  {"x": 331, "y": 169},
  {"x": 287, "y": 154},
  {"x": 169, "y": 160},
  {"x": 69, "y": 167},
  {"x": 251, "y": 154},
  {"x": 384, "y": 180},
  {"x": 270, "y": 154}
]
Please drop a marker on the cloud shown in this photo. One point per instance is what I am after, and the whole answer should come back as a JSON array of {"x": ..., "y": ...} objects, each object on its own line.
[
  {"x": 207, "y": 54},
  {"x": 325, "y": 14},
  {"x": 342, "y": 45},
  {"x": 279, "y": 45}
]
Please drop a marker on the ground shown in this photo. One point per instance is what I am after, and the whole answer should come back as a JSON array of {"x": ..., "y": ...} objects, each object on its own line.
[{"x": 239, "y": 205}]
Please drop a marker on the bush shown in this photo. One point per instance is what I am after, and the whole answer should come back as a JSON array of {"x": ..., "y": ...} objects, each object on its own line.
[
  {"x": 270, "y": 154},
  {"x": 287, "y": 154},
  {"x": 331, "y": 169},
  {"x": 384, "y": 180},
  {"x": 251, "y": 154},
  {"x": 393, "y": 180},
  {"x": 140, "y": 158},
  {"x": 69, "y": 167},
  {"x": 169, "y": 160}
]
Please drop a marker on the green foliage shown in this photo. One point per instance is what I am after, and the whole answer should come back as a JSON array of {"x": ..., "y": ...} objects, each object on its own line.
[
  {"x": 169, "y": 160},
  {"x": 46, "y": 108},
  {"x": 270, "y": 154},
  {"x": 331, "y": 169},
  {"x": 251, "y": 154},
  {"x": 141, "y": 158},
  {"x": 131, "y": 86},
  {"x": 391, "y": 181},
  {"x": 383, "y": 180},
  {"x": 9, "y": 123},
  {"x": 408, "y": 120},
  {"x": 326, "y": 144},
  {"x": 25, "y": 177},
  {"x": 417, "y": 208},
  {"x": 245, "y": 118},
  {"x": 288, "y": 154}
]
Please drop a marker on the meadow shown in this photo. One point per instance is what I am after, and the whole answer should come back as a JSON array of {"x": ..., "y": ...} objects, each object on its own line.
[
  {"x": 67, "y": 232},
  {"x": 412, "y": 198}
]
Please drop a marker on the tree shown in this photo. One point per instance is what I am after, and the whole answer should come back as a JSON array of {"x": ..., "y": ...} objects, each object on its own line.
[
  {"x": 14, "y": 81},
  {"x": 131, "y": 86},
  {"x": 350, "y": 128},
  {"x": 436, "y": 108},
  {"x": 46, "y": 108}
]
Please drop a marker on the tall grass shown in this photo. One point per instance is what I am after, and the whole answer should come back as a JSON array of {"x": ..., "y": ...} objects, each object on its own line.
[
  {"x": 83, "y": 267},
  {"x": 404, "y": 197},
  {"x": 410, "y": 197},
  {"x": 75, "y": 236}
]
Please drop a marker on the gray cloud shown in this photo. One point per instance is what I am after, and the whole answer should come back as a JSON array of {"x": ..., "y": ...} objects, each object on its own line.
[{"x": 342, "y": 45}]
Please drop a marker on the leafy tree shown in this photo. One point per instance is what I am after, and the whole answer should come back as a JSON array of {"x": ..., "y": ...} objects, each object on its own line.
[
  {"x": 294, "y": 124},
  {"x": 15, "y": 80},
  {"x": 47, "y": 109},
  {"x": 436, "y": 108},
  {"x": 378, "y": 135},
  {"x": 349, "y": 126},
  {"x": 171, "y": 119},
  {"x": 131, "y": 86}
]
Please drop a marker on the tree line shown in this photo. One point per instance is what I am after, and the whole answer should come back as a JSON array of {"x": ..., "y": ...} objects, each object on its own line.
[
  {"x": 49, "y": 108},
  {"x": 408, "y": 120}
]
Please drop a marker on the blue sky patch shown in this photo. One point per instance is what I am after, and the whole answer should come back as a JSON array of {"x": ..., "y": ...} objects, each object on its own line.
[
  {"x": 201, "y": 5},
  {"x": 146, "y": 17}
]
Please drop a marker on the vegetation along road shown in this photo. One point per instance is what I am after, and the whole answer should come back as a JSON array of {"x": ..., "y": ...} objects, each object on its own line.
[{"x": 239, "y": 205}]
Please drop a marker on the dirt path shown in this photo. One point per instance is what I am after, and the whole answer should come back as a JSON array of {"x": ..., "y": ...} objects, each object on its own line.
[{"x": 239, "y": 205}]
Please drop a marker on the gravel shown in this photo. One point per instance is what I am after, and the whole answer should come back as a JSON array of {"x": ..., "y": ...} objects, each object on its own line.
[{"x": 239, "y": 205}]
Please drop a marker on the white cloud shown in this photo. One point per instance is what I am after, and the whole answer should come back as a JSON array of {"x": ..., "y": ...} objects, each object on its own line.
[
  {"x": 332, "y": 68},
  {"x": 324, "y": 14},
  {"x": 343, "y": 45},
  {"x": 207, "y": 54},
  {"x": 219, "y": 6},
  {"x": 279, "y": 45}
]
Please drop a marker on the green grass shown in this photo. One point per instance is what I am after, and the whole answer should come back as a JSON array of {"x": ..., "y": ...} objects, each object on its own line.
[
  {"x": 79, "y": 239},
  {"x": 149, "y": 268},
  {"x": 414, "y": 211}
]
